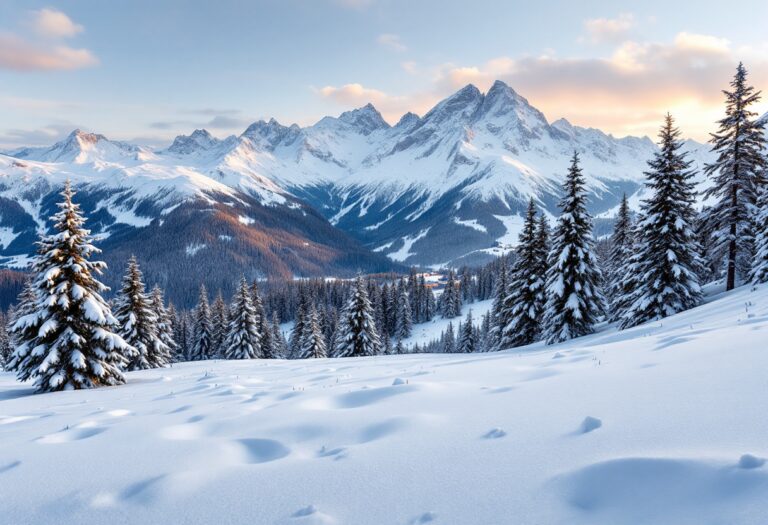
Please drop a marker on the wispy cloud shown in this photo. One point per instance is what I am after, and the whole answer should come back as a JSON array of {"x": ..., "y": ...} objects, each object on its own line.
[
  {"x": 392, "y": 41},
  {"x": 42, "y": 50},
  {"x": 612, "y": 30},
  {"x": 50, "y": 23}
]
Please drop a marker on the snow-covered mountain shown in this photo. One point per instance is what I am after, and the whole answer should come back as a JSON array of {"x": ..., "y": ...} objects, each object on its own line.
[{"x": 445, "y": 188}]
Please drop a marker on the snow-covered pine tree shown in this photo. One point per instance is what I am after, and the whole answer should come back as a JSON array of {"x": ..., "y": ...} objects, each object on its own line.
[
  {"x": 201, "y": 346},
  {"x": 164, "y": 323},
  {"x": 450, "y": 300},
  {"x": 665, "y": 264},
  {"x": 18, "y": 333},
  {"x": 574, "y": 300},
  {"x": 261, "y": 319},
  {"x": 498, "y": 312},
  {"x": 400, "y": 348},
  {"x": 739, "y": 145},
  {"x": 468, "y": 336},
  {"x": 5, "y": 341},
  {"x": 619, "y": 284},
  {"x": 313, "y": 340},
  {"x": 243, "y": 340},
  {"x": 358, "y": 335},
  {"x": 449, "y": 340},
  {"x": 219, "y": 325},
  {"x": 137, "y": 322},
  {"x": 181, "y": 335},
  {"x": 525, "y": 299},
  {"x": 73, "y": 345},
  {"x": 403, "y": 322},
  {"x": 759, "y": 273}
]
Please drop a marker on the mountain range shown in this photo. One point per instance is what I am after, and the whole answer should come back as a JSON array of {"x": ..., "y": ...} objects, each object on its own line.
[{"x": 349, "y": 193}]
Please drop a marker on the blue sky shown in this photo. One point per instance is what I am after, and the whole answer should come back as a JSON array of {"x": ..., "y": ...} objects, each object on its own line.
[{"x": 149, "y": 70}]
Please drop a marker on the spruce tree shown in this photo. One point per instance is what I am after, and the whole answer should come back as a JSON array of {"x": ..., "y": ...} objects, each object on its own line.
[
  {"x": 620, "y": 286},
  {"x": 498, "y": 312},
  {"x": 468, "y": 336},
  {"x": 67, "y": 342},
  {"x": 739, "y": 145},
  {"x": 243, "y": 340},
  {"x": 665, "y": 264},
  {"x": 263, "y": 322},
  {"x": 219, "y": 325},
  {"x": 137, "y": 322},
  {"x": 5, "y": 341},
  {"x": 165, "y": 320},
  {"x": 279, "y": 345},
  {"x": 450, "y": 300},
  {"x": 574, "y": 300},
  {"x": 403, "y": 323},
  {"x": 313, "y": 341},
  {"x": 19, "y": 333},
  {"x": 357, "y": 331},
  {"x": 201, "y": 346},
  {"x": 449, "y": 341},
  {"x": 525, "y": 298}
]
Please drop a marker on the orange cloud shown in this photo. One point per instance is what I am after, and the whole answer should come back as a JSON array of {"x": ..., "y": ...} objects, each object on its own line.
[{"x": 21, "y": 55}]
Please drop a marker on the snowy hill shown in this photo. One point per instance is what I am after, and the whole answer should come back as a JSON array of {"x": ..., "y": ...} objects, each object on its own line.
[
  {"x": 663, "y": 423},
  {"x": 448, "y": 187}
]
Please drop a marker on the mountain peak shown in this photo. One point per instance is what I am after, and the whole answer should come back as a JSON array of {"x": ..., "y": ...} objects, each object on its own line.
[
  {"x": 199, "y": 140},
  {"x": 407, "y": 120},
  {"x": 367, "y": 119}
]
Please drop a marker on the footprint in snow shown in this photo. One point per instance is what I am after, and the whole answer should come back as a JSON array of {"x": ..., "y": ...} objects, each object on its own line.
[
  {"x": 427, "y": 517},
  {"x": 589, "y": 424},
  {"x": 748, "y": 461},
  {"x": 495, "y": 433}
]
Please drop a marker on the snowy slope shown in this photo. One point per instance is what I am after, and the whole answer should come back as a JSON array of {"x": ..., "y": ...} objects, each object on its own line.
[
  {"x": 663, "y": 423},
  {"x": 461, "y": 174}
]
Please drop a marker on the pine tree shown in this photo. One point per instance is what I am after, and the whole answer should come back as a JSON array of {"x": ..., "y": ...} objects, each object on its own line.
[
  {"x": 137, "y": 322},
  {"x": 219, "y": 325},
  {"x": 525, "y": 298},
  {"x": 665, "y": 264},
  {"x": 165, "y": 320},
  {"x": 298, "y": 330},
  {"x": 265, "y": 330},
  {"x": 449, "y": 341},
  {"x": 313, "y": 340},
  {"x": 243, "y": 340},
  {"x": 450, "y": 300},
  {"x": 574, "y": 300},
  {"x": 404, "y": 325},
  {"x": 5, "y": 341},
  {"x": 620, "y": 286},
  {"x": 19, "y": 333},
  {"x": 357, "y": 331},
  {"x": 202, "y": 331},
  {"x": 72, "y": 343},
  {"x": 739, "y": 146},
  {"x": 468, "y": 339},
  {"x": 400, "y": 348},
  {"x": 498, "y": 312}
]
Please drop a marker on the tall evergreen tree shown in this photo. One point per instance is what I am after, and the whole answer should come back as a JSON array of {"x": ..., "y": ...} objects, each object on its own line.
[
  {"x": 498, "y": 312},
  {"x": 449, "y": 340},
  {"x": 261, "y": 319},
  {"x": 313, "y": 342},
  {"x": 165, "y": 319},
  {"x": 243, "y": 340},
  {"x": 574, "y": 300},
  {"x": 279, "y": 345},
  {"x": 403, "y": 323},
  {"x": 620, "y": 286},
  {"x": 219, "y": 325},
  {"x": 450, "y": 300},
  {"x": 201, "y": 347},
  {"x": 298, "y": 330},
  {"x": 665, "y": 264},
  {"x": 21, "y": 332},
  {"x": 739, "y": 145},
  {"x": 357, "y": 331},
  {"x": 525, "y": 298},
  {"x": 67, "y": 342},
  {"x": 468, "y": 336},
  {"x": 137, "y": 322},
  {"x": 5, "y": 341}
]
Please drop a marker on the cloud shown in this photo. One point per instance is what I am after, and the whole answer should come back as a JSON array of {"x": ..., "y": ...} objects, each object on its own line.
[
  {"x": 392, "y": 41},
  {"x": 50, "y": 23},
  {"x": 612, "y": 30},
  {"x": 410, "y": 67},
  {"x": 44, "y": 136},
  {"x": 628, "y": 91},
  {"x": 20, "y": 55},
  {"x": 225, "y": 122},
  {"x": 45, "y": 53}
]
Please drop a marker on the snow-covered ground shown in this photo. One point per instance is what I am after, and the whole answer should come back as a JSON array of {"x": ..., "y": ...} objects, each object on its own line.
[{"x": 663, "y": 423}]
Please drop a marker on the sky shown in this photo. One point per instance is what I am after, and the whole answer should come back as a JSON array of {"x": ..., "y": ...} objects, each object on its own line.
[{"x": 148, "y": 70}]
